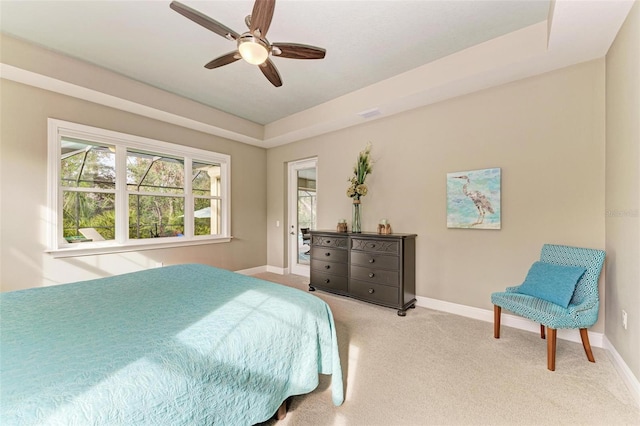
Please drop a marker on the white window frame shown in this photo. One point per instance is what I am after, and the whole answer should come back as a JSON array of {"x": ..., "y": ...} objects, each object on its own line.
[{"x": 57, "y": 246}]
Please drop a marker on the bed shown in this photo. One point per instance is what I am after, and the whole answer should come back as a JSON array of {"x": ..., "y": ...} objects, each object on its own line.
[{"x": 179, "y": 345}]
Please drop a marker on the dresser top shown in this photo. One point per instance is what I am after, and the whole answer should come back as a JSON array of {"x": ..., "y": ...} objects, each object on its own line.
[{"x": 362, "y": 234}]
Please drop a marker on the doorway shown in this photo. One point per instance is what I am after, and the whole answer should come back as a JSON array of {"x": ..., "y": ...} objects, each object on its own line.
[{"x": 302, "y": 213}]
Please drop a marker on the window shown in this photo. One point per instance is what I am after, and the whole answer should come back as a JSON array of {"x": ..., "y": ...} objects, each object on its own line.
[
  {"x": 155, "y": 188},
  {"x": 113, "y": 192}
]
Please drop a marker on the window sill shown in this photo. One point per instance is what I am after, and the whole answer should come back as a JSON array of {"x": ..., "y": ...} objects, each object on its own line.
[{"x": 89, "y": 249}]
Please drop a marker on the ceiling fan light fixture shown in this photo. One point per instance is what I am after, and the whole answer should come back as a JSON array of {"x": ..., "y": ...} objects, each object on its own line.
[
  {"x": 252, "y": 49},
  {"x": 252, "y": 46}
]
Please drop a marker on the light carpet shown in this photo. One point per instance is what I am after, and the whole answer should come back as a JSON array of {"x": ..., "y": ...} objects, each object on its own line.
[{"x": 436, "y": 368}]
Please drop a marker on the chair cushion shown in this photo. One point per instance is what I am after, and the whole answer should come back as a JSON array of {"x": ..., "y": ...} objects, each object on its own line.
[{"x": 553, "y": 283}]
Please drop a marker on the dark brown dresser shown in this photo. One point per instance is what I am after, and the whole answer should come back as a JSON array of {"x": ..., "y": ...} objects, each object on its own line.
[{"x": 372, "y": 267}]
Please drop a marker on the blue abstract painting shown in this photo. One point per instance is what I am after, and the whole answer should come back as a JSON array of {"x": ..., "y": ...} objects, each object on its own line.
[{"x": 473, "y": 199}]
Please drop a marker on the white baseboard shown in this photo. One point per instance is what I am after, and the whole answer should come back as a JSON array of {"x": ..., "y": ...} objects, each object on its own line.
[
  {"x": 598, "y": 340},
  {"x": 252, "y": 271},
  {"x": 627, "y": 375},
  {"x": 277, "y": 270},
  {"x": 595, "y": 339},
  {"x": 264, "y": 268}
]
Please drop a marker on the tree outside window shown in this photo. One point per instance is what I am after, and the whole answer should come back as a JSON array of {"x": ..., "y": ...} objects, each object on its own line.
[{"x": 110, "y": 190}]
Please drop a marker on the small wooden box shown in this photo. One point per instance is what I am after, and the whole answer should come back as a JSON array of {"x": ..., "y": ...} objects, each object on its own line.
[{"x": 384, "y": 229}]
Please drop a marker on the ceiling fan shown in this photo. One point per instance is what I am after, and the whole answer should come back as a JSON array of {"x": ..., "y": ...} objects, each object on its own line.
[{"x": 253, "y": 45}]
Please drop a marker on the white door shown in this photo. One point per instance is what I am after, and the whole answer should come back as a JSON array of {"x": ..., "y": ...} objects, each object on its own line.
[{"x": 302, "y": 213}]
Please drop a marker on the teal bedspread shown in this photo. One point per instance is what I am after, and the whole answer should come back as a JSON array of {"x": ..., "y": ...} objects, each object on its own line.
[{"x": 180, "y": 345}]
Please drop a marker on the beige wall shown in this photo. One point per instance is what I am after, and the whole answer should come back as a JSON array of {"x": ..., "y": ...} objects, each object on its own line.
[
  {"x": 23, "y": 186},
  {"x": 546, "y": 133},
  {"x": 623, "y": 191}
]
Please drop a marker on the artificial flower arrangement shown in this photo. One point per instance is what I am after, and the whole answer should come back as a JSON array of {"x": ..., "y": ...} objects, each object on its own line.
[{"x": 361, "y": 170}]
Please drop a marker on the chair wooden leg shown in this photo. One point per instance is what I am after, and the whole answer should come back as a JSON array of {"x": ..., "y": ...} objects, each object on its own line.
[
  {"x": 542, "y": 336},
  {"x": 551, "y": 349},
  {"x": 585, "y": 344},
  {"x": 497, "y": 310}
]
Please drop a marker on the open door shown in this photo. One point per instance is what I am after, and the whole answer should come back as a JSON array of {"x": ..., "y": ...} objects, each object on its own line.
[{"x": 302, "y": 213}]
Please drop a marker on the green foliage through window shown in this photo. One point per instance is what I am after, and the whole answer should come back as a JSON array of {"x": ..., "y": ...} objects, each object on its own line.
[
  {"x": 85, "y": 166},
  {"x": 155, "y": 187}
]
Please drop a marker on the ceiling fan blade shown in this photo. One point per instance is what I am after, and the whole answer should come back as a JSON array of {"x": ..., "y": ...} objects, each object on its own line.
[
  {"x": 204, "y": 20},
  {"x": 223, "y": 60},
  {"x": 297, "y": 51},
  {"x": 271, "y": 72},
  {"x": 261, "y": 16}
]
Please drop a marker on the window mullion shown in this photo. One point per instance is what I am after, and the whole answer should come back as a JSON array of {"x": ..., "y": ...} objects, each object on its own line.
[
  {"x": 155, "y": 194},
  {"x": 55, "y": 239},
  {"x": 225, "y": 193},
  {"x": 122, "y": 198},
  {"x": 87, "y": 190},
  {"x": 188, "y": 198}
]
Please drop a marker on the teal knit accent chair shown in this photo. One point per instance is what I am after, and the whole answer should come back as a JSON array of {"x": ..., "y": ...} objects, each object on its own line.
[{"x": 582, "y": 311}]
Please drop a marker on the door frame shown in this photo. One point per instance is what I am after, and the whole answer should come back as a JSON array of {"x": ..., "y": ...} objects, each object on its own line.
[{"x": 292, "y": 207}]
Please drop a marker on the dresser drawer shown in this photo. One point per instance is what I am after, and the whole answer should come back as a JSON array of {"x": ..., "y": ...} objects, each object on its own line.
[
  {"x": 329, "y": 254},
  {"x": 376, "y": 293},
  {"x": 330, "y": 267},
  {"x": 377, "y": 276},
  {"x": 376, "y": 261},
  {"x": 329, "y": 241},
  {"x": 335, "y": 282},
  {"x": 371, "y": 267},
  {"x": 376, "y": 246}
]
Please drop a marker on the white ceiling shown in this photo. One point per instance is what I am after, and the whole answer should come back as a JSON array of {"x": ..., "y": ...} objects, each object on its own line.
[
  {"x": 366, "y": 41},
  {"x": 387, "y": 55}
]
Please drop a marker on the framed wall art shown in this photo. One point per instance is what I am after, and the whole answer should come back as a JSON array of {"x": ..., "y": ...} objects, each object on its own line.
[{"x": 473, "y": 199}]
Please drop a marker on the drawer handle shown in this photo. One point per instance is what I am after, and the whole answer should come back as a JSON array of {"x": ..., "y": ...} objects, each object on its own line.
[
  {"x": 328, "y": 241},
  {"x": 327, "y": 266},
  {"x": 370, "y": 291},
  {"x": 373, "y": 246},
  {"x": 326, "y": 281},
  {"x": 371, "y": 275},
  {"x": 327, "y": 254},
  {"x": 371, "y": 260}
]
